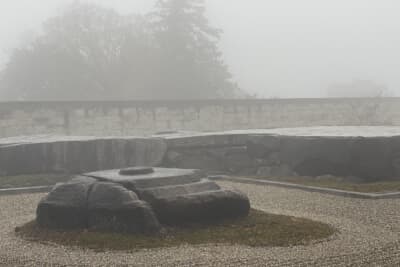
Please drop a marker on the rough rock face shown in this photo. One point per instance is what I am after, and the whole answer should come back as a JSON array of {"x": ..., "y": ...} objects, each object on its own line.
[
  {"x": 65, "y": 206},
  {"x": 370, "y": 153},
  {"x": 113, "y": 208},
  {"x": 159, "y": 177},
  {"x": 78, "y": 154},
  {"x": 205, "y": 206},
  {"x": 154, "y": 193},
  {"x": 372, "y": 158},
  {"x": 356, "y": 151},
  {"x": 117, "y": 202}
]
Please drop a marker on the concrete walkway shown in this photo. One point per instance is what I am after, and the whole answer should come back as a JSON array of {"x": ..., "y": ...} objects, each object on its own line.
[{"x": 369, "y": 235}]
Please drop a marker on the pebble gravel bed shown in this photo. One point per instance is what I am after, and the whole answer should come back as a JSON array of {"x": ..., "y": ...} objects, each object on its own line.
[{"x": 368, "y": 235}]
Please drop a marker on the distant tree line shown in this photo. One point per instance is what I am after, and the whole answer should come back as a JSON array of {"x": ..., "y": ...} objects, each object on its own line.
[{"x": 94, "y": 53}]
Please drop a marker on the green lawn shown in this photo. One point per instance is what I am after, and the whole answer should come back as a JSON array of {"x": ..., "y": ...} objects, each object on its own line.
[
  {"x": 259, "y": 229},
  {"x": 364, "y": 187},
  {"x": 32, "y": 180}
]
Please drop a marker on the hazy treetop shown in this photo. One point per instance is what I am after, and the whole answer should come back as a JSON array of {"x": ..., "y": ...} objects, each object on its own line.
[
  {"x": 285, "y": 48},
  {"x": 90, "y": 52}
]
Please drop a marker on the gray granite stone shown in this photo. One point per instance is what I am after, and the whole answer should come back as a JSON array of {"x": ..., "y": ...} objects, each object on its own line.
[
  {"x": 113, "y": 208},
  {"x": 78, "y": 154},
  {"x": 207, "y": 206},
  {"x": 370, "y": 158},
  {"x": 65, "y": 207},
  {"x": 111, "y": 201},
  {"x": 153, "y": 194},
  {"x": 160, "y": 177}
]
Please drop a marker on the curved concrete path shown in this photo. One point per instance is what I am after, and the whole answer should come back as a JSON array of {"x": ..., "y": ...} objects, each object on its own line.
[{"x": 369, "y": 235}]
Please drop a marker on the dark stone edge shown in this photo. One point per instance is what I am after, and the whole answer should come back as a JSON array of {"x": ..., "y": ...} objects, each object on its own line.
[
  {"x": 330, "y": 191},
  {"x": 25, "y": 190}
]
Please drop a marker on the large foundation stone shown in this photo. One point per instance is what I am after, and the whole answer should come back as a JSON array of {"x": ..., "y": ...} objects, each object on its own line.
[
  {"x": 113, "y": 208},
  {"x": 65, "y": 207},
  {"x": 138, "y": 201}
]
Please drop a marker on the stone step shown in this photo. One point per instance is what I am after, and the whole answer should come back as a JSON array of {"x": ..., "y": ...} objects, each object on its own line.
[
  {"x": 160, "y": 177},
  {"x": 209, "y": 206},
  {"x": 152, "y": 194}
]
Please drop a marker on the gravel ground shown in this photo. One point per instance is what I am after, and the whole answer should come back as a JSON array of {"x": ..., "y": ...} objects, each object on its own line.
[{"x": 369, "y": 235}]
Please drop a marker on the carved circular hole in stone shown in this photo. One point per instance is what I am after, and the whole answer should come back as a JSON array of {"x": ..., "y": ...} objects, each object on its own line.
[{"x": 136, "y": 171}]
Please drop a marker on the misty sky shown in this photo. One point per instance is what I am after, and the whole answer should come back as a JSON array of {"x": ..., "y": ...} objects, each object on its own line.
[{"x": 285, "y": 48}]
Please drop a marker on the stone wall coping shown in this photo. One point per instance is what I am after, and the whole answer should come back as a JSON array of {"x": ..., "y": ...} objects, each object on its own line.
[
  {"x": 178, "y": 103},
  {"x": 38, "y": 139},
  {"x": 226, "y": 137},
  {"x": 314, "y": 131}
]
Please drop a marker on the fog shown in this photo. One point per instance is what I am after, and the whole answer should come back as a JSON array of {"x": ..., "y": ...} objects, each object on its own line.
[{"x": 273, "y": 49}]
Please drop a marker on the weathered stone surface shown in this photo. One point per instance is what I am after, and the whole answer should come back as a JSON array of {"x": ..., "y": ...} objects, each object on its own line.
[
  {"x": 113, "y": 208},
  {"x": 109, "y": 195},
  {"x": 82, "y": 179},
  {"x": 261, "y": 146},
  {"x": 276, "y": 171},
  {"x": 109, "y": 201},
  {"x": 65, "y": 207},
  {"x": 369, "y": 152},
  {"x": 151, "y": 195},
  {"x": 133, "y": 218},
  {"x": 212, "y": 159},
  {"x": 205, "y": 140},
  {"x": 197, "y": 158},
  {"x": 208, "y": 206},
  {"x": 79, "y": 154},
  {"x": 23, "y": 159},
  {"x": 136, "y": 171},
  {"x": 160, "y": 177},
  {"x": 396, "y": 165},
  {"x": 370, "y": 158},
  {"x": 236, "y": 159}
]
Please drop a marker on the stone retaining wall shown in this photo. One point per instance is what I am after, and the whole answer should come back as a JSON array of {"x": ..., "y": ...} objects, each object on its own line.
[
  {"x": 78, "y": 155},
  {"x": 371, "y": 158},
  {"x": 148, "y": 117},
  {"x": 265, "y": 153}
]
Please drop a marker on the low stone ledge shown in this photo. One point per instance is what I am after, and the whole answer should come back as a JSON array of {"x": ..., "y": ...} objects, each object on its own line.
[
  {"x": 25, "y": 190},
  {"x": 314, "y": 189}
]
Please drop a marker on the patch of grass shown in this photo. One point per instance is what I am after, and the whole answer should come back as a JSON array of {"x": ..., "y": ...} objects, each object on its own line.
[
  {"x": 362, "y": 187},
  {"x": 32, "y": 180},
  {"x": 259, "y": 229}
]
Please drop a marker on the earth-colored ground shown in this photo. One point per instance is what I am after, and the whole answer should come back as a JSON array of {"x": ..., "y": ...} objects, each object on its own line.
[{"x": 369, "y": 235}]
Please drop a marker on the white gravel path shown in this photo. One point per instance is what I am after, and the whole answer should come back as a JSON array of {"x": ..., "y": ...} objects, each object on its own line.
[{"x": 369, "y": 235}]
